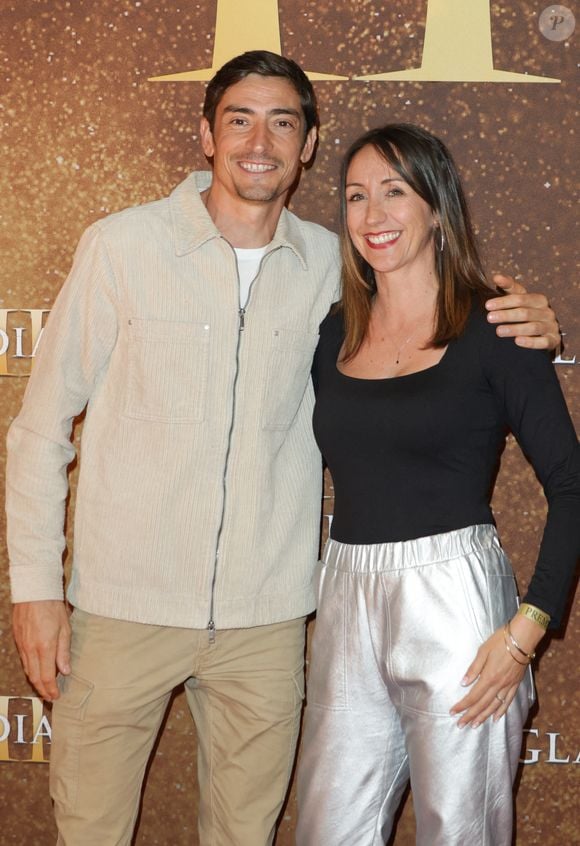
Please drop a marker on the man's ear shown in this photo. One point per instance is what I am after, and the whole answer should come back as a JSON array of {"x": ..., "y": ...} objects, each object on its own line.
[
  {"x": 206, "y": 137},
  {"x": 309, "y": 145}
]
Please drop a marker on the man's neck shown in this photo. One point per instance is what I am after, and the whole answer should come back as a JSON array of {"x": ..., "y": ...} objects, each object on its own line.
[{"x": 243, "y": 223}]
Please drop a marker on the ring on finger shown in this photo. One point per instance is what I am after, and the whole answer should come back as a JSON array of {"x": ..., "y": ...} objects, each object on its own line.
[{"x": 501, "y": 698}]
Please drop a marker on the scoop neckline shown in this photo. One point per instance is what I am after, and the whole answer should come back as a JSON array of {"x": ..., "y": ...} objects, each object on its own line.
[{"x": 381, "y": 379}]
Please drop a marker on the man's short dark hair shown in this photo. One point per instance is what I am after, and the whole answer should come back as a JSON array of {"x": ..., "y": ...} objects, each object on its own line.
[{"x": 263, "y": 63}]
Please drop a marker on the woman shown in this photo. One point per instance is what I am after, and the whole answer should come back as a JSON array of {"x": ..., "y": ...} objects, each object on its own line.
[{"x": 418, "y": 632}]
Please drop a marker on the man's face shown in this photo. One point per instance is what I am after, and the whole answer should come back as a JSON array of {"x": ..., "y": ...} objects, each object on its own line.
[{"x": 257, "y": 143}]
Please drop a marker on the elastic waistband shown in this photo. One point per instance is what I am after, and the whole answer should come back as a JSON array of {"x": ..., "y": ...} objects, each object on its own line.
[{"x": 402, "y": 555}]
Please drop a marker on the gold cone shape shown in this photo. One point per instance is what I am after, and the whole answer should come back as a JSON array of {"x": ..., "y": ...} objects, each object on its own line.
[
  {"x": 241, "y": 26},
  {"x": 458, "y": 47}
]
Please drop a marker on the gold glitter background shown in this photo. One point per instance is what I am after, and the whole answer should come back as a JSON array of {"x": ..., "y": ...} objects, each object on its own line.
[{"x": 83, "y": 133}]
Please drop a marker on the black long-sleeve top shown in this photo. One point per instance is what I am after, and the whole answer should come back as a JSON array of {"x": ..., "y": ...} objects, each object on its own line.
[{"x": 417, "y": 455}]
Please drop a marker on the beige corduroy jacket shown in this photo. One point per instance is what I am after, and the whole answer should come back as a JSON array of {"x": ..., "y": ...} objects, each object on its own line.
[{"x": 199, "y": 489}]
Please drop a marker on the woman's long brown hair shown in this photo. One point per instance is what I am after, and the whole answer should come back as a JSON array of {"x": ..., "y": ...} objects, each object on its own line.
[{"x": 425, "y": 164}]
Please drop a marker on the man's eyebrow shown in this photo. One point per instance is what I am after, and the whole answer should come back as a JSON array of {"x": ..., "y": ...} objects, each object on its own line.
[
  {"x": 286, "y": 111},
  {"x": 243, "y": 109},
  {"x": 246, "y": 110}
]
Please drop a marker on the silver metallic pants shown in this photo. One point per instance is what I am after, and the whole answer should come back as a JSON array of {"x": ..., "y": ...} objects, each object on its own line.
[{"x": 397, "y": 626}]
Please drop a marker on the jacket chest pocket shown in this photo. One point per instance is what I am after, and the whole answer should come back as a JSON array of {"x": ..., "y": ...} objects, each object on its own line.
[
  {"x": 167, "y": 371},
  {"x": 290, "y": 360}
]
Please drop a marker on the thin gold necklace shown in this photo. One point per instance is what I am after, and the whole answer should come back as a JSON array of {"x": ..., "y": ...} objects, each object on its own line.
[
  {"x": 400, "y": 347},
  {"x": 403, "y": 345}
]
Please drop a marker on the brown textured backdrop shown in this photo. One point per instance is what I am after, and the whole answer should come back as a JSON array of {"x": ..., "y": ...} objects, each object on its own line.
[{"x": 83, "y": 133}]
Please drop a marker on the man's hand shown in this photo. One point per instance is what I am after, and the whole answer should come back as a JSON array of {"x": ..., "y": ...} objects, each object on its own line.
[
  {"x": 526, "y": 317},
  {"x": 42, "y": 635}
]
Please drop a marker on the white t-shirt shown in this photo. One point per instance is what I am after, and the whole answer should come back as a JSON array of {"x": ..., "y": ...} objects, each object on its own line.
[{"x": 248, "y": 264}]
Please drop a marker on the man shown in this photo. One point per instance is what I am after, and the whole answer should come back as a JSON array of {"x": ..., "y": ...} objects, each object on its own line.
[{"x": 186, "y": 329}]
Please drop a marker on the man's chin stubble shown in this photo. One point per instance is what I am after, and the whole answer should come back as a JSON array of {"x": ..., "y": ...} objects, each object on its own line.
[{"x": 257, "y": 195}]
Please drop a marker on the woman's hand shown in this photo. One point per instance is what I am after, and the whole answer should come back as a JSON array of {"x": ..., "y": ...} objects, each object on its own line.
[{"x": 495, "y": 674}]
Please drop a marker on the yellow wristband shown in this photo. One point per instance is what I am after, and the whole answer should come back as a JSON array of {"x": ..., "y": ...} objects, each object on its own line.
[{"x": 533, "y": 613}]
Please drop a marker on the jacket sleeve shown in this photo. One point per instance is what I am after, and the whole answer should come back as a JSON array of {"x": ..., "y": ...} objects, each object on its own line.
[{"x": 79, "y": 336}]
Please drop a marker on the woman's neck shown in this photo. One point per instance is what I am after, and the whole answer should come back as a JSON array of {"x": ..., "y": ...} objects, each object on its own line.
[{"x": 402, "y": 300}]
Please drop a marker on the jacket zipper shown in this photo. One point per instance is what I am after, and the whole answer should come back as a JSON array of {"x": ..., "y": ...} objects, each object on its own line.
[{"x": 211, "y": 629}]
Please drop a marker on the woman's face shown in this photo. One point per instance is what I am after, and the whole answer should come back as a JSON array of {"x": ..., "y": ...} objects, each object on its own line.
[{"x": 389, "y": 224}]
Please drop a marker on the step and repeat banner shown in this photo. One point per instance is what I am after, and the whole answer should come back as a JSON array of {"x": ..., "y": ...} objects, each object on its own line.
[{"x": 100, "y": 105}]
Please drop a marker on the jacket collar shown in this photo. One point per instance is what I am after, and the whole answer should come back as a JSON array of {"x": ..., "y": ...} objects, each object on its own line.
[{"x": 192, "y": 226}]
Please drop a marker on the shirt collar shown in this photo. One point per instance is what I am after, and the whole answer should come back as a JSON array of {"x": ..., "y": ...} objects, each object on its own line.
[{"x": 192, "y": 226}]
